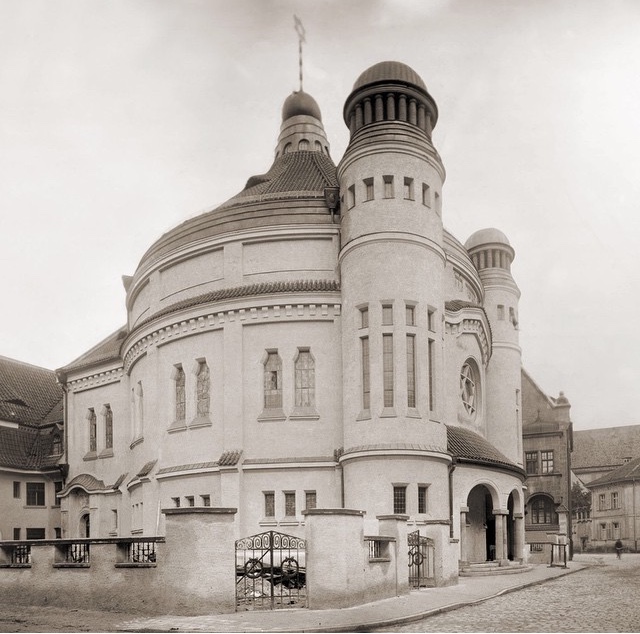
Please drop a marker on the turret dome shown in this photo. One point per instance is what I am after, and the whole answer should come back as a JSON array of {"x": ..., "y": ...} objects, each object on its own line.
[
  {"x": 389, "y": 72},
  {"x": 486, "y": 236},
  {"x": 300, "y": 103}
]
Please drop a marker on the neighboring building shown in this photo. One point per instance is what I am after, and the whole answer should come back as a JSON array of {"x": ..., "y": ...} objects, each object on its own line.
[
  {"x": 615, "y": 507},
  {"x": 31, "y": 449},
  {"x": 547, "y": 435},
  {"x": 319, "y": 340},
  {"x": 597, "y": 452}
]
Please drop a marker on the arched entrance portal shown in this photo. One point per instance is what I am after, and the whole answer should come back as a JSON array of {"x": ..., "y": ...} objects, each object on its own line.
[{"x": 481, "y": 526}]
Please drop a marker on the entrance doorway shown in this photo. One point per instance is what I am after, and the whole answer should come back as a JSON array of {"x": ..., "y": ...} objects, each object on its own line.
[{"x": 481, "y": 526}]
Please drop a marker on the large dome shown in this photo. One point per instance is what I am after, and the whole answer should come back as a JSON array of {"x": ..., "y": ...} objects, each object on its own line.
[
  {"x": 300, "y": 103},
  {"x": 389, "y": 72}
]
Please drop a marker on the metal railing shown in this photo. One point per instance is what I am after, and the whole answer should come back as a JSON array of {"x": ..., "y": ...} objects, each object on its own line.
[
  {"x": 141, "y": 552},
  {"x": 76, "y": 553},
  {"x": 21, "y": 555}
]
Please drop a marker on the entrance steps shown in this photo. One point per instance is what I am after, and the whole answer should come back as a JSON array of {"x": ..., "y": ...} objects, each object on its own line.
[{"x": 490, "y": 568}]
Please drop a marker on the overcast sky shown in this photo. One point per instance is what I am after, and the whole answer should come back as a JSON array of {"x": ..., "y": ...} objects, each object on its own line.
[{"x": 121, "y": 118}]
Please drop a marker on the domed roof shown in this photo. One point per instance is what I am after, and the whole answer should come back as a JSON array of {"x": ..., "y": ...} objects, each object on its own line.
[
  {"x": 389, "y": 72},
  {"x": 300, "y": 103},
  {"x": 486, "y": 236}
]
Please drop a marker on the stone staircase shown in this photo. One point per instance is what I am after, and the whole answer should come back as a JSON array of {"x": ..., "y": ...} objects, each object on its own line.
[{"x": 490, "y": 568}]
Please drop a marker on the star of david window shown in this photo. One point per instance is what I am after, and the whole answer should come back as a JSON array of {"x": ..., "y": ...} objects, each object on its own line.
[{"x": 469, "y": 390}]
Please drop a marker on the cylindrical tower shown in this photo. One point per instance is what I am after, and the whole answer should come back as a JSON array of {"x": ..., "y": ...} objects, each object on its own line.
[
  {"x": 391, "y": 265},
  {"x": 492, "y": 255}
]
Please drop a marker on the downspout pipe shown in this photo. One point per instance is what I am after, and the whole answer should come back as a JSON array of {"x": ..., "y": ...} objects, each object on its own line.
[{"x": 452, "y": 468}]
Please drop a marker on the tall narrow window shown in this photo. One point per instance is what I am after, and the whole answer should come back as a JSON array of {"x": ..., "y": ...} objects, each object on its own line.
[
  {"x": 56, "y": 447},
  {"x": 387, "y": 369},
  {"x": 93, "y": 443},
  {"x": 368, "y": 188},
  {"x": 366, "y": 387},
  {"x": 108, "y": 427},
  {"x": 432, "y": 372},
  {"x": 400, "y": 500},
  {"x": 387, "y": 314},
  {"x": 602, "y": 505},
  {"x": 431, "y": 319},
  {"x": 411, "y": 371},
  {"x": 411, "y": 315},
  {"x": 546, "y": 459},
  {"x": 364, "y": 317},
  {"x": 305, "y": 379},
  {"x": 181, "y": 395},
  {"x": 408, "y": 188},
  {"x": 426, "y": 195},
  {"x": 273, "y": 381},
  {"x": 438, "y": 204},
  {"x": 531, "y": 462},
  {"x": 468, "y": 385},
  {"x": 290, "y": 503},
  {"x": 310, "y": 500},
  {"x": 269, "y": 504},
  {"x": 16, "y": 490},
  {"x": 351, "y": 196},
  {"x": 422, "y": 499},
  {"x": 140, "y": 410},
  {"x": 615, "y": 503},
  {"x": 388, "y": 186},
  {"x": 203, "y": 384},
  {"x": 500, "y": 312}
]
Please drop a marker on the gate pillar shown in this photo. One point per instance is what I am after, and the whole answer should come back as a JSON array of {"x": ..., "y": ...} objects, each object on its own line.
[
  {"x": 501, "y": 535},
  {"x": 335, "y": 558},
  {"x": 464, "y": 557},
  {"x": 396, "y": 526},
  {"x": 199, "y": 560}
]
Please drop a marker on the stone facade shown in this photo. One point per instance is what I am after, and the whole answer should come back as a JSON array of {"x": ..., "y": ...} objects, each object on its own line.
[{"x": 317, "y": 341}]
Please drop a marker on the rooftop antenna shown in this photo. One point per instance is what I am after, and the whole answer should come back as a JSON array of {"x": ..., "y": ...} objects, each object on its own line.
[{"x": 301, "y": 33}]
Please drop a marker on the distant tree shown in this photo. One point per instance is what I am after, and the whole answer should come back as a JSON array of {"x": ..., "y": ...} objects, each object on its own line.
[{"x": 579, "y": 497}]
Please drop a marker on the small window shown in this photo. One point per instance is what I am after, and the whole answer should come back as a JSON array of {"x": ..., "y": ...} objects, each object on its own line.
[
  {"x": 56, "y": 447},
  {"x": 431, "y": 319},
  {"x": 500, "y": 312},
  {"x": 35, "y": 494},
  {"x": 287, "y": 148},
  {"x": 426, "y": 195},
  {"x": 310, "y": 500},
  {"x": 290, "y": 503},
  {"x": 602, "y": 504},
  {"x": 317, "y": 146},
  {"x": 114, "y": 520},
  {"x": 546, "y": 459},
  {"x": 513, "y": 318},
  {"x": 180, "y": 393},
  {"x": 366, "y": 387},
  {"x": 273, "y": 381},
  {"x": 92, "y": 430},
  {"x": 16, "y": 534},
  {"x": 615, "y": 501},
  {"x": 206, "y": 500},
  {"x": 387, "y": 315},
  {"x": 58, "y": 532},
  {"x": 176, "y": 502},
  {"x": 57, "y": 487},
  {"x": 531, "y": 462},
  {"x": 411, "y": 315},
  {"x": 364, "y": 317},
  {"x": 388, "y": 186},
  {"x": 35, "y": 533},
  {"x": 368, "y": 189},
  {"x": 303, "y": 145},
  {"x": 408, "y": 188},
  {"x": 269, "y": 504},
  {"x": 422, "y": 499},
  {"x": 400, "y": 500},
  {"x": 203, "y": 386},
  {"x": 438, "y": 207},
  {"x": 190, "y": 500},
  {"x": 16, "y": 490},
  {"x": 351, "y": 196}
]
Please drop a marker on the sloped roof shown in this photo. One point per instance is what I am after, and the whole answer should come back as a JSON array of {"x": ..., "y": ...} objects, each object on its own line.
[
  {"x": 626, "y": 473},
  {"x": 291, "y": 175},
  {"x": 27, "y": 392},
  {"x": 455, "y": 305},
  {"x": 467, "y": 446},
  {"x": 606, "y": 447},
  {"x": 87, "y": 482},
  {"x": 26, "y": 448},
  {"x": 107, "y": 350}
]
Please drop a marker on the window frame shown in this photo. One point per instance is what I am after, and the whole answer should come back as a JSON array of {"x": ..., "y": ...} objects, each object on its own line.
[
  {"x": 36, "y": 493},
  {"x": 400, "y": 499}
]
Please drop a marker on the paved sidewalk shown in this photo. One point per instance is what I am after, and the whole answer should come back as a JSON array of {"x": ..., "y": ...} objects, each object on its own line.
[{"x": 415, "y": 606}]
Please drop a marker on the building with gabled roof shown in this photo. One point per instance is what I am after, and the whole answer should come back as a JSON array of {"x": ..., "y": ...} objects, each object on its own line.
[{"x": 31, "y": 451}]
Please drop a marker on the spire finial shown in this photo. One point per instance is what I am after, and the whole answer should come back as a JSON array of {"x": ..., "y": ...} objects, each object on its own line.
[{"x": 301, "y": 33}]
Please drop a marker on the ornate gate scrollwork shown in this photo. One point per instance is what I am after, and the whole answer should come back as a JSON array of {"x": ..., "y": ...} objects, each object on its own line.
[
  {"x": 421, "y": 560},
  {"x": 270, "y": 572}
]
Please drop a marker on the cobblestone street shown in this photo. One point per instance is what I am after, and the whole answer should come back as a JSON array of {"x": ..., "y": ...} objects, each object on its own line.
[{"x": 602, "y": 598}]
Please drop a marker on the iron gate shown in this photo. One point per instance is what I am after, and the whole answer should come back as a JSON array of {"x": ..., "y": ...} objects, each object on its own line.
[
  {"x": 421, "y": 560},
  {"x": 270, "y": 572}
]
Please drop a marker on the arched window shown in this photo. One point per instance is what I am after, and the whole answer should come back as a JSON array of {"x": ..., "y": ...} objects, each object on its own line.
[
  {"x": 203, "y": 385},
  {"x": 469, "y": 389},
  {"x": 303, "y": 145},
  {"x": 108, "y": 427},
  {"x": 305, "y": 379},
  {"x": 287, "y": 148},
  {"x": 93, "y": 444},
  {"x": 181, "y": 397},
  {"x": 273, "y": 381},
  {"x": 317, "y": 146}
]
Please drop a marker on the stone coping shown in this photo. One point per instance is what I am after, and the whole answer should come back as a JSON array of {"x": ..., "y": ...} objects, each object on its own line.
[
  {"x": 333, "y": 512},
  {"x": 202, "y": 510}
]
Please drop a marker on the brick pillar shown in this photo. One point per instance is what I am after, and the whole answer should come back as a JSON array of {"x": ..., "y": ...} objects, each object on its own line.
[
  {"x": 464, "y": 556},
  {"x": 198, "y": 563},
  {"x": 335, "y": 558},
  {"x": 396, "y": 526}
]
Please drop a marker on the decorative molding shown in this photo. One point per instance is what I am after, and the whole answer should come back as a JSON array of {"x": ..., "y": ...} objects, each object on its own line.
[
  {"x": 305, "y": 311},
  {"x": 463, "y": 323},
  {"x": 96, "y": 380}
]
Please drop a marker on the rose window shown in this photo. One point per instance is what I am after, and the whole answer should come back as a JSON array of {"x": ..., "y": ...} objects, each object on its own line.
[{"x": 468, "y": 388}]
